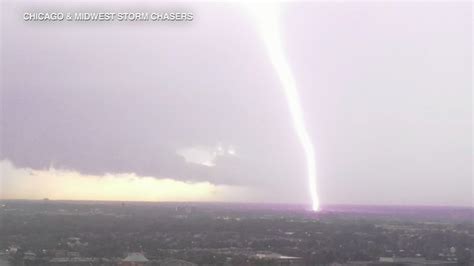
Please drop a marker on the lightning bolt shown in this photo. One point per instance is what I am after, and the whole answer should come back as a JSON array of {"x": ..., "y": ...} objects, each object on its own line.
[{"x": 267, "y": 17}]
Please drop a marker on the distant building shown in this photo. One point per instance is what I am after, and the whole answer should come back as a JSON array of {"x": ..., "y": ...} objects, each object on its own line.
[
  {"x": 401, "y": 261},
  {"x": 277, "y": 259},
  {"x": 29, "y": 255},
  {"x": 13, "y": 249},
  {"x": 134, "y": 259},
  {"x": 186, "y": 209},
  {"x": 62, "y": 253},
  {"x": 75, "y": 242},
  {"x": 59, "y": 253},
  {"x": 74, "y": 261},
  {"x": 72, "y": 254},
  {"x": 413, "y": 261}
]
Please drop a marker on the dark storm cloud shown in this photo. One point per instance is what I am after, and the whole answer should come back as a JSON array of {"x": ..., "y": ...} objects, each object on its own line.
[{"x": 111, "y": 99}]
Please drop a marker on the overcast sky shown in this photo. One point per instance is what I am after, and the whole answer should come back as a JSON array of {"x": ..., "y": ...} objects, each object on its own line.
[{"x": 385, "y": 88}]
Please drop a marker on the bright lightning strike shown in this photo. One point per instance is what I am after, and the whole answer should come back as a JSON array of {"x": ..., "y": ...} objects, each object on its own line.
[{"x": 267, "y": 16}]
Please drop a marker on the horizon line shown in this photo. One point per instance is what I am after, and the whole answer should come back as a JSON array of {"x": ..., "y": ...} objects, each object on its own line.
[{"x": 251, "y": 203}]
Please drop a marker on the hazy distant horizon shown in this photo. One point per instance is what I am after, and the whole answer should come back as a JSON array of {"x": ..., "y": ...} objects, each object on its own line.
[{"x": 306, "y": 206}]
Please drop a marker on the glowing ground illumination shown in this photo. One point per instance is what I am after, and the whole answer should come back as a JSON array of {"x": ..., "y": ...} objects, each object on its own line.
[{"x": 267, "y": 16}]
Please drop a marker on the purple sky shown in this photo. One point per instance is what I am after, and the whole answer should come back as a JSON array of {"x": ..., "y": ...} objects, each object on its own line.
[{"x": 385, "y": 87}]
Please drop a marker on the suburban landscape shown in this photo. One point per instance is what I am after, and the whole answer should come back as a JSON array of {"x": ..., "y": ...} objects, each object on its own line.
[{"x": 49, "y": 232}]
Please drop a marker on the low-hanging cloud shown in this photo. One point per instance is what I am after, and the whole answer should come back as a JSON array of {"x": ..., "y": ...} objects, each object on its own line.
[{"x": 105, "y": 99}]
